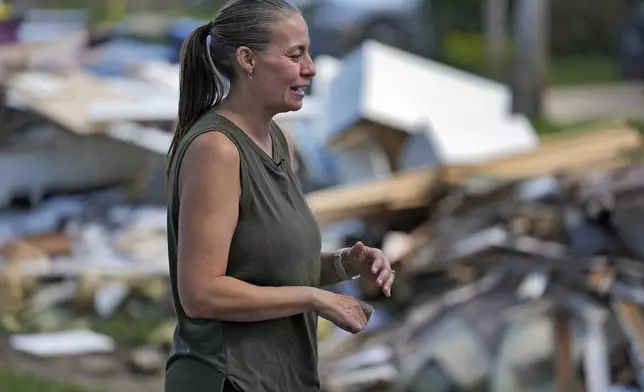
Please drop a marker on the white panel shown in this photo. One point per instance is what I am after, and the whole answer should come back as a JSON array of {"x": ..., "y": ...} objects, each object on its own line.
[
  {"x": 466, "y": 117},
  {"x": 363, "y": 163},
  {"x": 71, "y": 162},
  {"x": 346, "y": 95},
  {"x": 328, "y": 69}
]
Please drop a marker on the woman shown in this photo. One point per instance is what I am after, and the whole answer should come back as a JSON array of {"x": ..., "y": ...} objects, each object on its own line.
[{"x": 244, "y": 248}]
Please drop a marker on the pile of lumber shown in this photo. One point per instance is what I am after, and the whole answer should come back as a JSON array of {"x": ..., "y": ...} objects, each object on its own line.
[
  {"x": 522, "y": 273},
  {"x": 600, "y": 147}
]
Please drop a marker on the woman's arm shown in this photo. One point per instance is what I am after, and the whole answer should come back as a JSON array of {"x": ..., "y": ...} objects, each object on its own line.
[
  {"x": 328, "y": 274},
  {"x": 210, "y": 190},
  {"x": 370, "y": 263}
]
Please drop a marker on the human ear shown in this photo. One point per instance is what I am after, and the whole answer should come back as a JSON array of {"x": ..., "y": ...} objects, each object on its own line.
[{"x": 245, "y": 60}]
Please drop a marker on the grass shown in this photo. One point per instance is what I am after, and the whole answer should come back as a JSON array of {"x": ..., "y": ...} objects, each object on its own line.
[
  {"x": 12, "y": 381},
  {"x": 545, "y": 127},
  {"x": 583, "y": 70},
  {"x": 124, "y": 329},
  {"x": 639, "y": 124},
  {"x": 128, "y": 331},
  {"x": 466, "y": 51}
]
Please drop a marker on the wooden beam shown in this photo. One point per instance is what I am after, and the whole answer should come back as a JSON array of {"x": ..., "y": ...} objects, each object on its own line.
[
  {"x": 564, "y": 367},
  {"x": 631, "y": 318},
  {"x": 404, "y": 191},
  {"x": 574, "y": 153}
]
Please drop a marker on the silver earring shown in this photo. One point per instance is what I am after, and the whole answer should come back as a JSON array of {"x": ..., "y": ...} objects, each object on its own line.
[{"x": 250, "y": 76}]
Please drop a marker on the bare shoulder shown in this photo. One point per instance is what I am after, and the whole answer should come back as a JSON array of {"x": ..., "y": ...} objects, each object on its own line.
[
  {"x": 214, "y": 146},
  {"x": 210, "y": 154}
]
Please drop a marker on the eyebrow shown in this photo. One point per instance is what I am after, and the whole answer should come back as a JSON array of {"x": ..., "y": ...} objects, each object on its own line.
[{"x": 296, "y": 47}]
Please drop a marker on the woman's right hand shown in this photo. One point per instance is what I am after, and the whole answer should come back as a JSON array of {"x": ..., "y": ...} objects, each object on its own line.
[{"x": 347, "y": 312}]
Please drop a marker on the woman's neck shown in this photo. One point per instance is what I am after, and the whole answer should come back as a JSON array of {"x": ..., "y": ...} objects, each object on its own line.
[{"x": 253, "y": 120}]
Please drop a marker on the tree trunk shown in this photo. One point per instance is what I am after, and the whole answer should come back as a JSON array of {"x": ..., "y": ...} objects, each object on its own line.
[{"x": 529, "y": 65}]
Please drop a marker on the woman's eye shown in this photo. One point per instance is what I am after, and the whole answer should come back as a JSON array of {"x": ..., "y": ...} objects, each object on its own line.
[{"x": 297, "y": 56}]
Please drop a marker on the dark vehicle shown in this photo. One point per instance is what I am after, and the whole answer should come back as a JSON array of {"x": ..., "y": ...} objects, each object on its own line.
[
  {"x": 337, "y": 26},
  {"x": 631, "y": 44}
]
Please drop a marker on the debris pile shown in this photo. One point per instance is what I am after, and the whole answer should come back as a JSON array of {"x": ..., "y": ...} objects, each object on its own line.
[
  {"x": 519, "y": 259},
  {"x": 523, "y": 274},
  {"x": 516, "y": 274},
  {"x": 80, "y": 263}
]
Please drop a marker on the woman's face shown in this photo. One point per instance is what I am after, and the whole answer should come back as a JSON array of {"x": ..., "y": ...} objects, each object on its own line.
[{"x": 283, "y": 71}]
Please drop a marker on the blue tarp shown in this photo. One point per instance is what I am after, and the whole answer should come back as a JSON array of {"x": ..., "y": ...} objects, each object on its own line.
[
  {"x": 120, "y": 52},
  {"x": 178, "y": 32}
]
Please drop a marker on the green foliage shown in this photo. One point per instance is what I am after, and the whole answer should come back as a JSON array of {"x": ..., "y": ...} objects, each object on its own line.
[
  {"x": 459, "y": 15},
  {"x": 586, "y": 27},
  {"x": 638, "y": 124},
  {"x": 583, "y": 38},
  {"x": 575, "y": 70},
  {"x": 127, "y": 330},
  {"x": 21, "y": 382},
  {"x": 578, "y": 27},
  {"x": 466, "y": 51}
]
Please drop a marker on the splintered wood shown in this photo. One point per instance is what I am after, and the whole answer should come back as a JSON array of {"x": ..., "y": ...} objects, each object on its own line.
[
  {"x": 601, "y": 149},
  {"x": 403, "y": 191},
  {"x": 12, "y": 289},
  {"x": 631, "y": 317},
  {"x": 17, "y": 251},
  {"x": 63, "y": 98},
  {"x": 569, "y": 152},
  {"x": 564, "y": 364},
  {"x": 37, "y": 246},
  {"x": 521, "y": 227}
]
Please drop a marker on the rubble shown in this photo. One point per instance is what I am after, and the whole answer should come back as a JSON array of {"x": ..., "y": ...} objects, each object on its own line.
[
  {"x": 77, "y": 268},
  {"x": 147, "y": 360},
  {"x": 521, "y": 284},
  {"x": 519, "y": 265},
  {"x": 439, "y": 102},
  {"x": 529, "y": 251},
  {"x": 56, "y": 344}
]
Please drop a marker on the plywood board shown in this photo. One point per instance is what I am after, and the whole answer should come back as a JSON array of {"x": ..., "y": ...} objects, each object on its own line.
[
  {"x": 466, "y": 117},
  {"x": 599, "y": 149},
  {"x": 405, "y": 190},
  {"x": 583, "y": 151},
  {"x": 62, "y": 98}
]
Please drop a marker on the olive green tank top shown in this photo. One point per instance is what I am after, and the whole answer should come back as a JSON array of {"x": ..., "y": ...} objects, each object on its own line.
[{"x": 276, "y": 243}]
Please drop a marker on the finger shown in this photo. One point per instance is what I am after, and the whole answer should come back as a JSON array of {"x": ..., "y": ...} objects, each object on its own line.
[
  {"x": 360, "y": 314},
  {"x": 367, "y": 309},
  {"x": 357, "y": 250},
  {"x": 351, "y": 327},
  {"x": 350, "y": 324},
  {"x": 383, "y": 275},
  {"x": 386, "y": 288},
  {"x": 357, "y": 323},
  {"x": 378, "y": 264}
]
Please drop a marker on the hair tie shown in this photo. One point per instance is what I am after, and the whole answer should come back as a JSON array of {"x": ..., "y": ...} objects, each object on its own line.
[{"x": 211, "y": 24}]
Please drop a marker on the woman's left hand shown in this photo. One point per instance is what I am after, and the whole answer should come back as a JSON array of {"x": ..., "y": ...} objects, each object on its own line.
[{"x": 372, "y": 264}]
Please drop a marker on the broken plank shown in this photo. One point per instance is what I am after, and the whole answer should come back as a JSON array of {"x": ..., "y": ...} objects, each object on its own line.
[
  {"x": 62, "y": 99},
  {"x": 575, "y": 153},
  {"x": 564, "y": 365},
  {"x": 72, "y": 268},
  {"x": 405, "y": 190},
  {"x": 631, "y": 318}
]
